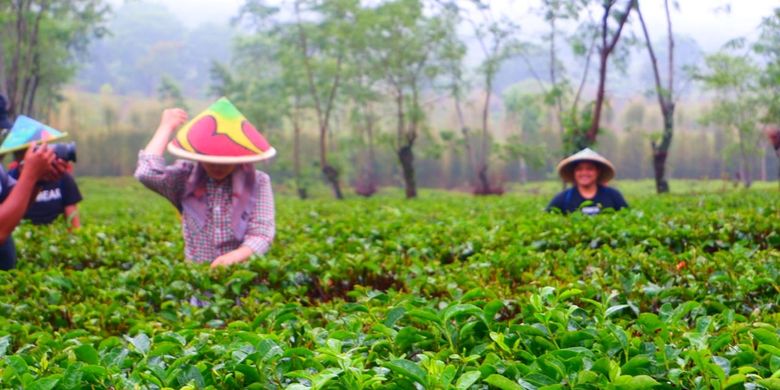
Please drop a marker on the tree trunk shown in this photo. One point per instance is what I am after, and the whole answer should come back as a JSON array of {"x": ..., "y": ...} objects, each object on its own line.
[
  {"x": 484, "y": 182},
  {"x": 371, "y": 166},
  {"x": 30, "y": 105},
  {"x": 300, "y": 188},
  {"x": 405, "y": 142},
  {"x": 659, "y": 166},
  {"x": 482, "y": 176},
  {"x": 466, "y": 140},
  {"x": 323, "y": 111},
  {"x": 590, "y": 137},
  {"x": 745, "y": 166},
  {"x": 366, "y": 182},
  {"x": 400, "y": 122},
  {"x": 332, "y": 175},
  {"x": 773, "y": 134},
  {"x": 777, "y": 153},
  {"x": 406, "y": 157},
  {"x": 665, "y": 101},
  {"x": 604, "y": 52},
  {"x": 3, "y": 76},
  {"x": 553, "y": 78},
  {"x": 661, "y": 151},
  {"x": 523, "y": 171},
  {"x": 13, "y": 76},
  {"x": 762, "y": 165}
]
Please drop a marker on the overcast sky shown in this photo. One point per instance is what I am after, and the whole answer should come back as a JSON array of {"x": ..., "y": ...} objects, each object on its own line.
[{"x": 704, "y": 20}]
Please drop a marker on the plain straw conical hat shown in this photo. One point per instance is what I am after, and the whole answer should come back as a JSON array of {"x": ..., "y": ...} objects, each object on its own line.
[
  {"x": 221, "y": 135},
  {"x": 566, "y": 166}
]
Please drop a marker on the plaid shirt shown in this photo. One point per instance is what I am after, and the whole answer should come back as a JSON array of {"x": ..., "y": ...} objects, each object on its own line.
[{"x": 215, "y": 237}]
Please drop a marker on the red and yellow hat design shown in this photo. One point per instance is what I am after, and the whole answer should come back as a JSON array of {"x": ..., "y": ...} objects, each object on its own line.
[{"x": 221, "y": 135}]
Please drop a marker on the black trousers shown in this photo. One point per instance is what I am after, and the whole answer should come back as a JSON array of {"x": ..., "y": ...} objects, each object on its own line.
[{"x": 8, "y": 255}]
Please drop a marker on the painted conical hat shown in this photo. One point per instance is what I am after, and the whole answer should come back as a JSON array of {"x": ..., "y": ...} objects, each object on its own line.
[
  {"x": 26, "y": 131},
  {"x": 222, "y": 135},
  {"x": 566, "y": 166}
]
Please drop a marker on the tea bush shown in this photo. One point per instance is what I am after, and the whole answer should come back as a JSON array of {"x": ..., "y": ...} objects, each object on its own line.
[{"x": 444, "y": 292}]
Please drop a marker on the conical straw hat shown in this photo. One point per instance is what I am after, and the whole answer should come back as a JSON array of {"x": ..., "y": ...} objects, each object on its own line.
[
  {"x": 221, "y": 135},
  {"x": 26, "y": 131},
  {"x": 566, "y": 166}
]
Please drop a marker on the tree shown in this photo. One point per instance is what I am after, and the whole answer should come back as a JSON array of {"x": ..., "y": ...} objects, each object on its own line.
[
  {"x": 293, "y": 91},
  {"x": 148, "y": 40},
  {"x": 40, "y": 44},
  {"x": 772, "y": 133},
  {"x": 526, "y": 147},
  {"x": 666, "y": 100},
  {"x": 266, "y": 77},
  {"x": 582, "y": 44},
  {"x": 456, "y": 84},
  {"x": 559, "y": 86},
  {"x": 768, "y": 46},
  {"x": 361, "y": 91},
  {"x": 322, "y": 47},
  {"x": 496, "y": 40},
  {"x": 409, "y": 45},
  {"x": 733, "y": 79},
  {"x": 609, "y": 39},
  {"x": 169, "y": 93}
]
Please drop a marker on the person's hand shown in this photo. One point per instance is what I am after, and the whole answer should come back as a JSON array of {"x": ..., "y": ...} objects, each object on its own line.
[
  {"x": 57, "y": 168},
  {"x": 223, "y": 261},
  {"x": 172, "y": 118},
  {"x": 38, "y": 161}
]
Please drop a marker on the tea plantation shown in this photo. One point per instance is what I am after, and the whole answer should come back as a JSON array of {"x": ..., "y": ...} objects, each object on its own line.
[{"x": 444, "y": 292}]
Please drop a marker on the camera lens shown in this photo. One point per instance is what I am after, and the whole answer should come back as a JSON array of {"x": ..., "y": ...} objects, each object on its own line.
[{"x": 66, "y": 152}]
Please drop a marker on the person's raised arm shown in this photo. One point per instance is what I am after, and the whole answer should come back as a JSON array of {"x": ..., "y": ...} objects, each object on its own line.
[
  {"x": 172, "y": 118},
  {"x": 151, "y": 170},
  {"x": 37, "y": 165}
]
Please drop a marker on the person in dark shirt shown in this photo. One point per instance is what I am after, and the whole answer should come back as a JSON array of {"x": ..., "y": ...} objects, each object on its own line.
[
  {"x": 40, "y": 164},
  {"x": 56, "y": 197},
  {"x": 589, "y": 172}
]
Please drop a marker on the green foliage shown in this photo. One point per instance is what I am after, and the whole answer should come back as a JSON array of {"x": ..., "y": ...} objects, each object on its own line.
[
  {"x": 148, "y": 41},
  {"x": 577, "y": 125},
  {"x": 736, "y": 108},
  {"x": 448, "y": 292},
  {"x": 768, "y": 46},
  {"x": 169, "y": 93},
  {"x": 41, "y": 46}
]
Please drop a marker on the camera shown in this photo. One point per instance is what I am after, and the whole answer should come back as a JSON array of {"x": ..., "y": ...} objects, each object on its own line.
[{"x": 65, "y": 152}]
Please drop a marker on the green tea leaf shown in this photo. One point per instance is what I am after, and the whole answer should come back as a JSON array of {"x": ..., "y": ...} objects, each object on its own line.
[
  {"x": 502, "y": 382},
  {"x": 639, "y": 382},
  {"x": 765, "y": 336},
  {"x": 140, "y": 342},
  {"x": 408, "y": 369},
  {"x": 5, "y": 342},
  {"x": 87, "y": 354},
  {"x": 467, "y": 379},
  {"x": 462, "y": 309},
  {"x": 770, "y": 383},
  {"x": 638, "y": 365},
  {"x": 614, "y": 309},
  {"x": 47, "y": 383},
  {"x": 393, "y": 315}
]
